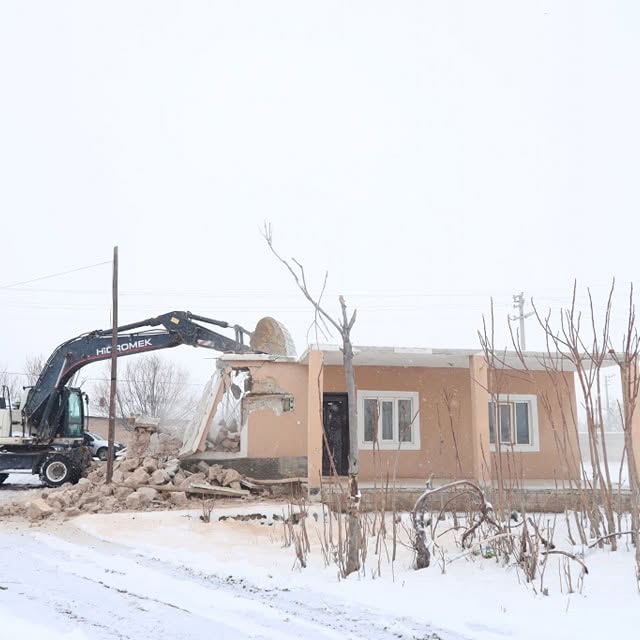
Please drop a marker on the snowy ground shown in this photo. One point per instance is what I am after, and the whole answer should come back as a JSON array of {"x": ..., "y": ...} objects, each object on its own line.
[
  {"x": 168, "y": 575},
  {"x": 17, "y": 487},
  {"x": 59, "y": 582}
]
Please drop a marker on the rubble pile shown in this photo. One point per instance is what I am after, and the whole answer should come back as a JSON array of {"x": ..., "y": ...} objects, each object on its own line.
[
  {"x": 150, "y": 477},
  {"x": 217, "y": 475},
  {"x": 138, "y": 484}
]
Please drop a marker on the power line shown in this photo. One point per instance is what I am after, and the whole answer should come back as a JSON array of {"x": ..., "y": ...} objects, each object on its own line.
[{"x": 55, "y": 275}]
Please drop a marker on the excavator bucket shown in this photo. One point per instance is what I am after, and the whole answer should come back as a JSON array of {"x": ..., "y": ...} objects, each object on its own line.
[{"x": 272, "y": 337}]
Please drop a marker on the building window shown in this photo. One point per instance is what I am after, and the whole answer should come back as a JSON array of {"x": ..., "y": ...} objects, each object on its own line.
[
  {"x": 388, "y": 418},
  {"x": 514, "y": 419}
]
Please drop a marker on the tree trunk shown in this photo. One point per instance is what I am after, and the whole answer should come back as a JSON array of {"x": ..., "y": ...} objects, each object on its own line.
[{"x": 353, "y": 509}]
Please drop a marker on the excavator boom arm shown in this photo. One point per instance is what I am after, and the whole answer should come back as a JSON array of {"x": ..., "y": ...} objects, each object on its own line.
[{"x": 173, "y": 329}]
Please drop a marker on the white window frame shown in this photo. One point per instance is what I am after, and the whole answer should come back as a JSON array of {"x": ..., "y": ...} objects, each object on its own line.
[
  {"x": 534, "y": 429},
  {"x": 394, "y": 444}
]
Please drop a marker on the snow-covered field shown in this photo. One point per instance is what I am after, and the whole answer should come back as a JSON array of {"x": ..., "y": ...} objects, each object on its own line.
[{"x": 167, "y": 575}]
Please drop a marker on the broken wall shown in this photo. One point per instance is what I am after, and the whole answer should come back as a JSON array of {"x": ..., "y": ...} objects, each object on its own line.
[{"x": 257, "y": 421}]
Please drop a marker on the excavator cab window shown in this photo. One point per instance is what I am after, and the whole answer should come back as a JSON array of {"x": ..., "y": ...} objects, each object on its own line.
[
  {"x": 70, "y": 414},
  {"x": 75, "y": 415}
]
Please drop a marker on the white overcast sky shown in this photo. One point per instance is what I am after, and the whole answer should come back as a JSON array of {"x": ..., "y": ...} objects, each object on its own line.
[{"x": 429, "y": 155}]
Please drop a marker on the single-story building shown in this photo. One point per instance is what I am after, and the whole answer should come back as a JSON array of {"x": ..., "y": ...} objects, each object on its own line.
[{"x": 439, "y": 413}]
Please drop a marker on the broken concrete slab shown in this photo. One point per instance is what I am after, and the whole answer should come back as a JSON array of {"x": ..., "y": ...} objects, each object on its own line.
[
  {"x": 160, "y": 476},
  {"x": 150, "y": 464},
  {"x": 130, "y": 464},
  {"x": 196, "y": 477},
  {"x": 208, "y": 489},
  {"x": 178, "y": 499},
  {"x": 172, "y": 466},
  {"x": 139, "y": 476},
  {"x": 133, "y": 501},
  {"x": 121, "y": 493},
  {"x": 38, "y": 509},
  {"x": 146, "y": 494},
  {"x": 195, "y": 431},
  {"x": 229, "y": 477}
]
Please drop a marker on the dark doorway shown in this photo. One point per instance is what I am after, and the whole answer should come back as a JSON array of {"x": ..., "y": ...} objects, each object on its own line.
[{"x": 335, "y": 411}]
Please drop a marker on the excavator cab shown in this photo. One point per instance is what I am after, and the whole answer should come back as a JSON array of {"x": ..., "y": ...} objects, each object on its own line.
[{"x": 70, "y": 412}]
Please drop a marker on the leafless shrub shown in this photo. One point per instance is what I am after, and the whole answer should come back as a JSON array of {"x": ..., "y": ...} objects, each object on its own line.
[
  {"x": 583, "y": 343},
  {"x": 207, "y": 506},
  {"x": 421, "y": 520}
]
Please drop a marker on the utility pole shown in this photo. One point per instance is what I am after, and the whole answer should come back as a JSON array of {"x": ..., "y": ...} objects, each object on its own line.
[
  {"x": 114, "y": 364},
  {"x": 518, "y": 303}
]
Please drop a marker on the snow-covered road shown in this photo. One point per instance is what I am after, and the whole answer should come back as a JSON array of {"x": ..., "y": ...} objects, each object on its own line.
[{"x": 92, "y": 589}]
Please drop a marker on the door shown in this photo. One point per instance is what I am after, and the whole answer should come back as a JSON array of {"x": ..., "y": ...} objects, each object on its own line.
[{"x": 335, "y": 411}]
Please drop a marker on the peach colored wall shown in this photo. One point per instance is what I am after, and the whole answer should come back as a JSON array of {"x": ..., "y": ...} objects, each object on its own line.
[
  {"x": 271, "y": 435},
  {"x": 439, "y": 426},
  {"x": 445, "y": 424},
  {"x": 445, "y": 420},
  {"x": 555, "y": 434},
  {"x": 479, "y": 427}
]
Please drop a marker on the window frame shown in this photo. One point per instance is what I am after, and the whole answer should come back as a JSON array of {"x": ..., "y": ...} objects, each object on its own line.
[
  {"x": 394, "y": 444},
  {"x": 534, "y": 426}
]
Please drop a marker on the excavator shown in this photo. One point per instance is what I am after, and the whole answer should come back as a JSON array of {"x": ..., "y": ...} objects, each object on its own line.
[{"x": 43, "y": 432}]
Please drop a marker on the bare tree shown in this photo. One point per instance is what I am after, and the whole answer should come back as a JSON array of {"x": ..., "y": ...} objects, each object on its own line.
[
  {"x": 149, "y": 386},
  {"x": 16, "y": 381},
  {"x": 343, "y": 324},
  {"x": 11, "y": 382},
  {"x": 577, "y": 342},
  {"x": 628, "y": 362},
  {"x": 33, "y": 366}
]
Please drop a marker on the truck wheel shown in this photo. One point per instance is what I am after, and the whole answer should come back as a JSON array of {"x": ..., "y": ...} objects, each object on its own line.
[
  {"x": 103, "y": 453},
  {"x": 3, "y": 477},
  {"x": 56, "y": 470}
]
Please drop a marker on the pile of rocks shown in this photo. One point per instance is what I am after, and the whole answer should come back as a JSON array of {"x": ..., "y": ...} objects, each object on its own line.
[
  {"x": 138, "y": 484},
  {"x": 227, "y": 440},
  {"x": 216, "y": 475}
]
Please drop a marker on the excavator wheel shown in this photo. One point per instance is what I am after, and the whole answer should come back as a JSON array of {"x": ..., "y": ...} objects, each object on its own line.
[{"x": 56, "y": 470}]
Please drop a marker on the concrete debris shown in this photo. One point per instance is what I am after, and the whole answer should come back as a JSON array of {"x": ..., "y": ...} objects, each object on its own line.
[
  {"x": 150, "y": 465},
  {"x": 178, "y": 499},
  {"x": 147, "y": 494},
  {"x": 208, "y": 489},
  {"x": 38, "y": 509},
  {"x": 141, "y": 482},
  {"x": 133, "y": 502},
  {"x": 139, "y": 476},
  {"x": 194, "y": 478},
  {"x": 160, "y": 476}
]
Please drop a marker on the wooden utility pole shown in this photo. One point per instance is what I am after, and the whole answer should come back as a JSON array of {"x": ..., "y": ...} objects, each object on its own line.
[{"x": 114, "y": 367}]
